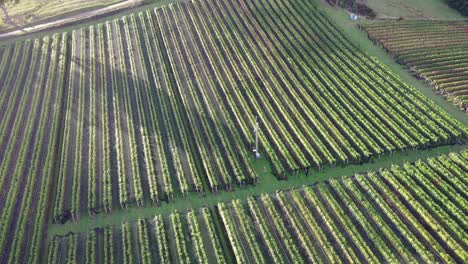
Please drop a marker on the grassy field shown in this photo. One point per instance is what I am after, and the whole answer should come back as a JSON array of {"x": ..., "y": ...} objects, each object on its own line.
[
  {"x": 147, "y": 4},
  {"x": 26, "y": 12},
  {"x": 434, "y": 9}
]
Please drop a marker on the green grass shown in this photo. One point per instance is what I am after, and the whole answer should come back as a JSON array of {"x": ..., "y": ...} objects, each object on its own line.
[
  {"x": 267, "y": 184},
  {"x": 436, "y": 9}
]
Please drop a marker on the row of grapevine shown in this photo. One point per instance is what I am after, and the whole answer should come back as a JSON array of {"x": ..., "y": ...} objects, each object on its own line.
[
  {"x": 181, "y": 238},
  {"x": 435, "y": 51},
  {"x": 31, "y": 99},
  {"x": 408, "y": 213},
  {"x": 121, "y": 90},
  {"x": 301, "y": 127}
]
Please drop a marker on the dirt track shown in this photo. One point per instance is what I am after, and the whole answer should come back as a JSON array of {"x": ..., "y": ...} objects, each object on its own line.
[{"x": 69, "y": 20}]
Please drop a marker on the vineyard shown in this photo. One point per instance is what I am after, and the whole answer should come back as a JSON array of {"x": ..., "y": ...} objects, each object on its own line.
[
  {"x": 409, "y": 213},
  {"x": 174, "y": 102},
  {"x": 156, "y": 109},
  {"x": 30, "y": 102},
  {"x": 435, "y": 51},
  {"x": 121, "y": 90}
]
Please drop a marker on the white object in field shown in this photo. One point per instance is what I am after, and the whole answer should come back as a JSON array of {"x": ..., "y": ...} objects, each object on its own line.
[
  {"x": 256, "y": 129},
  {"x": 353, "y": 16}
]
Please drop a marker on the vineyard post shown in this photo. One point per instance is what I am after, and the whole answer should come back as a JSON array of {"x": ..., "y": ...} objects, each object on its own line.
[{"x": 256, "y": 129}]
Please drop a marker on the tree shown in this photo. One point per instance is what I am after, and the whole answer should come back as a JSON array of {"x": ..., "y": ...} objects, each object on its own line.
[{"x": 460, "y": 5}]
